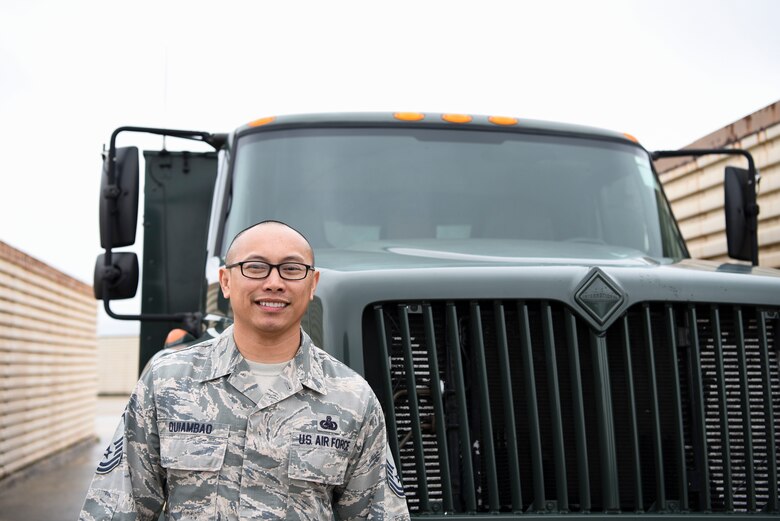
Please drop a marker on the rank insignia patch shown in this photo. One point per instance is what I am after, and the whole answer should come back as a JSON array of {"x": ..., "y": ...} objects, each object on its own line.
[
  {"x": 111, "y": 458},
  {"x": 393, "y": 479}
]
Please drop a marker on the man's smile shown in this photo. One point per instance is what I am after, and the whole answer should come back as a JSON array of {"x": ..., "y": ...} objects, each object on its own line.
[{"x": 271, "y": 304}]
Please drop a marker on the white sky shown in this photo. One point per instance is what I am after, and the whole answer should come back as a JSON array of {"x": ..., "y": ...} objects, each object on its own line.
[{"x": 71, "y": 72}]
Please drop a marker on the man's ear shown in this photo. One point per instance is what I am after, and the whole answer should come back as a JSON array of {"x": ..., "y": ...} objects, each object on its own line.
[
  {"x": 316, "y": 275},
  {"x": 224, "y": 282}
]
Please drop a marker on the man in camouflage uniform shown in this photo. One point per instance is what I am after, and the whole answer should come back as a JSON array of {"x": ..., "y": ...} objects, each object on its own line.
[{"x": 257, "y": 423}]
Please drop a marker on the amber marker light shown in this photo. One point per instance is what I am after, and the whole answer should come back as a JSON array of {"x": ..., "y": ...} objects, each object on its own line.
[
  {"x": 262, "y": 121},
  {"x": 409, "y": 116},
  {"x": 631, "y": 138},
  {"x": 503, "y": 120},
  {"x": 457, "y": 118}
]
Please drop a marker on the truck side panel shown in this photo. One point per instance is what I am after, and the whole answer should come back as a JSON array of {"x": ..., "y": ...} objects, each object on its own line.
[{"x": 178, "y": 191}]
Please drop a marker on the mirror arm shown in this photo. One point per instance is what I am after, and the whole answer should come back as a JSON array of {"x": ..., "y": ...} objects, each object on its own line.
[
  {"x": 216, "y": 141},
  {"x": 190, "y": 321},
  {"x": 660, "y": 154},
  {"x": 751, "y": 208}
]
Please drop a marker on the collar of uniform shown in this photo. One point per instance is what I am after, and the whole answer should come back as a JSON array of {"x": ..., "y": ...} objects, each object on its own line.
[
  {"x": 308, "y": 369},
  {"x": 225, "y": 359}
]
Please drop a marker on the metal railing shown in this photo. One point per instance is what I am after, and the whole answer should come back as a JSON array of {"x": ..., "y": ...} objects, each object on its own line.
[{"x": 518, "y": 406}]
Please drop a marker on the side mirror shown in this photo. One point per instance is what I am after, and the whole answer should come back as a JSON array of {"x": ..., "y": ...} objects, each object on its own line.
[
  {"x": 119, "y": 199},
  {"x": 738, "y": 206},
  {"x": 118, "y": 280}
]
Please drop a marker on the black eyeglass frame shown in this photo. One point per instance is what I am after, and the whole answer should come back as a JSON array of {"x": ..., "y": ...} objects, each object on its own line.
[{"x": 270, "y": 268}]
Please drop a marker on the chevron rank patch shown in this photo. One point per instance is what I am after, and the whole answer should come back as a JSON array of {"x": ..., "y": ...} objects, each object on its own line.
[
  {"x": 112, "y": 457},
  {"x": 393, "y": 479}
]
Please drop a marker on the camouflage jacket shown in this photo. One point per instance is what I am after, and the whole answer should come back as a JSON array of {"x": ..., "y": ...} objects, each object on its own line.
[{"x": 201, "y": 441}]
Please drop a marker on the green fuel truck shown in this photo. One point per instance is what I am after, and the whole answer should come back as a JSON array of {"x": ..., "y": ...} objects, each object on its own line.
[{"x": 517, "y": 293}]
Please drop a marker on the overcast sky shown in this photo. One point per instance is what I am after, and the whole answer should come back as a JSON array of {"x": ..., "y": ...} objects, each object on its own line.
[{"x": 71, "y": 72}]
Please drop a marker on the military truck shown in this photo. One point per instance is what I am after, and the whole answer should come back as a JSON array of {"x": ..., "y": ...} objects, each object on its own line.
[{"x": 517, "y": 293}]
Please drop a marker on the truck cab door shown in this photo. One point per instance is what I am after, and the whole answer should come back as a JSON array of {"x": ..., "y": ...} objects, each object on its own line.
[{"x": 178, "y": 192}]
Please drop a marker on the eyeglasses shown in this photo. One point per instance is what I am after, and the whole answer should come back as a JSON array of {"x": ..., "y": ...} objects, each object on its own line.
[{"x": 259, "y": 270}]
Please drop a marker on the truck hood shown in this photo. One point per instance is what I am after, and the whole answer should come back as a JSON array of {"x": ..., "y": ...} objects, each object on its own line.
[
  {"x": 474, "y": 252},
  {"x": 411, "y": 254},
  {"x": 584, "y": 276}
]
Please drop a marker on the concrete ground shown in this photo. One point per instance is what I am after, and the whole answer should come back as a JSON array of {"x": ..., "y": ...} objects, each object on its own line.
[{"x": 54, "y": 489}]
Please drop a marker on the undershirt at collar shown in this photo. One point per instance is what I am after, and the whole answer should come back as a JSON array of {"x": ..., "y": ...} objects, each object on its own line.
[{"x": 265, "y": 374}]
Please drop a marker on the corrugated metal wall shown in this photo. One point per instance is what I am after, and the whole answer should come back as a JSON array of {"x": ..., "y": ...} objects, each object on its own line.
[
  {"x": 695, "y": 188},
  {"x": 48, "y": 384},
  {"x": 117, "y": 364}
]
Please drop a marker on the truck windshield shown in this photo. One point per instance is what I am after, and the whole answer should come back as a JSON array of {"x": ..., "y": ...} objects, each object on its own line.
[{"x": 346, "y": 187}]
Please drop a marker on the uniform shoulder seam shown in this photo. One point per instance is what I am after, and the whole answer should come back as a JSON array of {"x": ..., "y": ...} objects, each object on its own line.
[{"x": 184, "y": 352}]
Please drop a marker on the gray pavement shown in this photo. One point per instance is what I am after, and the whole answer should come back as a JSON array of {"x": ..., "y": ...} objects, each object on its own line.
[{"x": 54, "y": 489}]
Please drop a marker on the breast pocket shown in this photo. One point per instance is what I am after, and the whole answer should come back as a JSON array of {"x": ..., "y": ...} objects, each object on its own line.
[
  {"x": 318, "y": 464},
  {"x": 201, "y": 448},
  {"x": 193, "y": 459}
]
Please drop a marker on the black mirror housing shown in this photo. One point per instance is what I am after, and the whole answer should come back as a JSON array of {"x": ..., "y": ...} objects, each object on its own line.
[
  {"x": 737, "y": 185},
  {"x": 117, "y": 281},
  {"x": 119, "y": 200}
]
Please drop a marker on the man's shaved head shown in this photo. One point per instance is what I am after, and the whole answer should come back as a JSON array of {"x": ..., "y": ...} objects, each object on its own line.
[{"x": 269, "y": 222}]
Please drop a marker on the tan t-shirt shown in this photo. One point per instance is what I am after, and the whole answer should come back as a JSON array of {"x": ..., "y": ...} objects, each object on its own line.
[{"x": 265, "y": 373}]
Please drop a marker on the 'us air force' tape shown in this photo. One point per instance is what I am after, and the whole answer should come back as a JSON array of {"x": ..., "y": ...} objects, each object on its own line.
[{"x": 393, "y": 479}]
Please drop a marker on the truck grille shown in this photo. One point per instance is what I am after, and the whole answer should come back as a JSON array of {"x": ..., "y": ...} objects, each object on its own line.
[{"x": 518, "y": 406}]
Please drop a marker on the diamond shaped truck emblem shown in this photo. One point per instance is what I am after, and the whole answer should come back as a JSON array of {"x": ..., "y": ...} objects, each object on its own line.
[{"x": 599, "y": 296}]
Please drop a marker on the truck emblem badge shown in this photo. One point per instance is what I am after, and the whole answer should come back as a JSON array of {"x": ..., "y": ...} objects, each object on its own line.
[{"x": 599, "y": 296}]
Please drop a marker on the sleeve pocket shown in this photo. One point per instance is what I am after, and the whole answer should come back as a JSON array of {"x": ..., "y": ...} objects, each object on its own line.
[
  {"x": 318, "y": 465},
  {"x": 187, "y": 451}
]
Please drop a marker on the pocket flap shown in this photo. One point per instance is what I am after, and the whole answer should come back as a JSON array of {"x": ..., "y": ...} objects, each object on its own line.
[
  {"x": 197, "y": 449},
  {"x": 318, "y": 464}
]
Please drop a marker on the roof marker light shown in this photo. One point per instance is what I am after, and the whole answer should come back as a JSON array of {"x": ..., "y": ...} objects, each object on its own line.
[
  {"x": 631, "y": 138},
  {"x": 409, "y": 116},
  {"x": 503, "y": 120},
  {"x": 262, "y": 121},
  {"x": 457, "y": 118}
]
